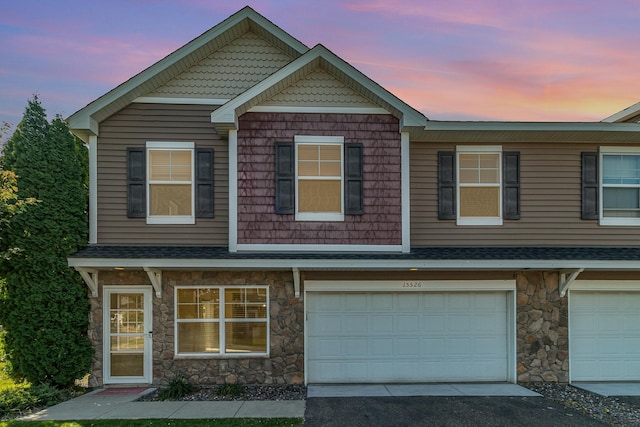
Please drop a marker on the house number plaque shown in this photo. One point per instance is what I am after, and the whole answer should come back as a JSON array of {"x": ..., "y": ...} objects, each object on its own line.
[{"x": 411, "y": 284}]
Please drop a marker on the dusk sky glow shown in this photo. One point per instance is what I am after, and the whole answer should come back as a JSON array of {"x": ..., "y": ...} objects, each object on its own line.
[{"x": 511, "y": 60}]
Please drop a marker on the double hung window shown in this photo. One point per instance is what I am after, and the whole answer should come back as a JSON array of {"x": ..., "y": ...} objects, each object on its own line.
[
  {"x": 620, "y": 195},
  {"x": 222, "y": 320},
  {"x": 319, "y": 178},
  {"x": 479, "y": 185},
  {"x": 170, "y": 183}
]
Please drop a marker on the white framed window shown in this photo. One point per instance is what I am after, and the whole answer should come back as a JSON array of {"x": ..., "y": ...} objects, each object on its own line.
[
  {"x": 170, "y": 189},
  {"x": 619, "y": 186},
  {"x": 479, "y": 181},
  {"x": 222, "y": 320},
  {"x": 319, "y": 178}
]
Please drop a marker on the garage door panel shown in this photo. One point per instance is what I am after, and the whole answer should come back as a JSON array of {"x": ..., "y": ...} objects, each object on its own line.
[
  {"x": 381, "y": 323},
  {"x": 381, "y": 347},
  {"x": 383, "y": 302},
  {"x": 604, "y": 338},
  {"x": 408, "y": 302},
  {"x": 356, "y": 347},
  {"x": 357, "y": 324},
  {"x": 409, "y": 337},
  {"x": 408, "y": 323}
]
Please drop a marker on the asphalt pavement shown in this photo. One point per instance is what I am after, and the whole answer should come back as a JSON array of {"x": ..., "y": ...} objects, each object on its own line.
[{"x": 458, "y": 411}]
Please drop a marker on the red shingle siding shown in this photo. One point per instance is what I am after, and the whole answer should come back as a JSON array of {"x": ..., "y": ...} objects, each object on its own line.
[{"x": 381, "y": 223}]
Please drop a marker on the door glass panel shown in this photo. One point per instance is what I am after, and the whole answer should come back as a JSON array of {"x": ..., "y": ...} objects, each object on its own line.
[{"x": 126, "y": 341}]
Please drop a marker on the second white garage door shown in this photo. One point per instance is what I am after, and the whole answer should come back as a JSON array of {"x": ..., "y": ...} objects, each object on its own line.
[
  {"x": 604, "y": 336},
  {"x": 407, "y": 337}
]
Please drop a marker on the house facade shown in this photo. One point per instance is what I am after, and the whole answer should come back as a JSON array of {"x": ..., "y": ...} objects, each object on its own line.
[{"x": 262, "y": 212}]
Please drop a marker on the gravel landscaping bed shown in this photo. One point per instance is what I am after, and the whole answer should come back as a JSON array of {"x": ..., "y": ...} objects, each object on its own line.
[
  {"x": 624, "y": 411},
  {"x": 249, "y": 392}
]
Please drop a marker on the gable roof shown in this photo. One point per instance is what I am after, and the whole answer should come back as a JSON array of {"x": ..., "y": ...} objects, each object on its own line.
[
  {"x": 624, "y": 115},
  {"x": 85, "y": 121},
  {"x": 225, "y": 117}
]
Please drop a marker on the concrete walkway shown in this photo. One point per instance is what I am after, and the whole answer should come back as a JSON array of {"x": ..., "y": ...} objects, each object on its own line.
[
  {"x": 404, "y": 390},
  {"x": 100, "y": 405},
  {"x": 610, "y": 388},
  {"x": 122, "y": 403}
]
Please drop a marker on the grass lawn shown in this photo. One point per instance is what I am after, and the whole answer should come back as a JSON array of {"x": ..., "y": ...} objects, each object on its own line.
[{"x": 222, "y": 422}]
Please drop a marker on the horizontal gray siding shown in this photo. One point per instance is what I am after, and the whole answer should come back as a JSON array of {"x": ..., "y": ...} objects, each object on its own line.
[
  {"x": 550, "y": 203},
  {"x": 133, "y": 127}
]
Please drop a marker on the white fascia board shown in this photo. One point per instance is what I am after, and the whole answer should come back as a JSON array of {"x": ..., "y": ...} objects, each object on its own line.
[
  {"x": 623, "y": 115},
  {"x": 532, "y": 126},
  {"x": 350, "y": 264}
]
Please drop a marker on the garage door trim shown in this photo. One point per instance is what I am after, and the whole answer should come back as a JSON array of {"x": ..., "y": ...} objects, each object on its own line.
[{"x": 408, "y": 285}]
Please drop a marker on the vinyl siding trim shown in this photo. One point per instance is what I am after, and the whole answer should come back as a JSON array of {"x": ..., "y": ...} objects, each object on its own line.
[{"x": 405, "y": 191}]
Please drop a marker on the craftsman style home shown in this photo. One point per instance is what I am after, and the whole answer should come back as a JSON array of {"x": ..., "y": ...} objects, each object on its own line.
[{"x": 262, "y": 212}]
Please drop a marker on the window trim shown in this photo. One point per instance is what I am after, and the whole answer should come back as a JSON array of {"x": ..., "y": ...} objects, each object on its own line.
[
  {"x": 484, "y": 149},
  {"x": 318, "y": 140},
  {"x": 615, "y": 221},
  {"x": 221, "y": 321},
  {"x": 167, "y": 219}
]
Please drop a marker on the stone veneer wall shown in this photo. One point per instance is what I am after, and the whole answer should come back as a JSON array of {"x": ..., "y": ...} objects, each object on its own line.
[
  {"x": 542, "y": 328},
  {"x": 284, "y": 365}
]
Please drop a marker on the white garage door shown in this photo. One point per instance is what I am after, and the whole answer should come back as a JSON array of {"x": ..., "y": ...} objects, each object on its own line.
[
  {"x": 406, "y": 337},
  {"x": 604, "y": 336}
]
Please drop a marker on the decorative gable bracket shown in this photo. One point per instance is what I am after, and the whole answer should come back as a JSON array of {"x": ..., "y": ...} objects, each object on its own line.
[
  {"x": 90, "y": 277},
  {"x": 296, "y": 281},
  {"x": 565, "y": 282},
  {"x": 155, "y": 276}
]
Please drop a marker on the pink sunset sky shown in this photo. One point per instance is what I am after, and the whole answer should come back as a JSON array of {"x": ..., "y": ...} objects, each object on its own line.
[{"x": 511, "y": 60}]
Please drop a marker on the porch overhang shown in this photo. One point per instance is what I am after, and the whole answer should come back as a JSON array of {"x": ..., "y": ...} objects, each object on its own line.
[{"x": 568, "y": 262}]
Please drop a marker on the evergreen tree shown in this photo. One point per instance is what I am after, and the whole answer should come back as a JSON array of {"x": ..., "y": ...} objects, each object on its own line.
[{"x": 44, "y": 307}]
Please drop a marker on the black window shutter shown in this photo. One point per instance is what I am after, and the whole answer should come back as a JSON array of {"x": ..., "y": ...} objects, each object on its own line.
[
  {"x": 136, "y": 182},
  {"x": 204, "y": 183},
  {"x": 511, "y": 185},
  {"x": 354, "y": 182},
  {"x": 590, "y": 185},
  {"x": 284, "y": 178},
  {"x": 446, "y": 185}
]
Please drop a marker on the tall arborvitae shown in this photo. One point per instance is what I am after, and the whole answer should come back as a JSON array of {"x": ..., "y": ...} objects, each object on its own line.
[{"x": 44, "y": 307}]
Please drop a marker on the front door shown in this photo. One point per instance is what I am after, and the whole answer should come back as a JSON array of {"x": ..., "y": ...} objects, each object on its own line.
[{"x": 128, "y": 335}]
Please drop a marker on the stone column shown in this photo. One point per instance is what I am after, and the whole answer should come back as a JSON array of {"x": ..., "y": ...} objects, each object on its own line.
[{"x": 542, "y": 332}]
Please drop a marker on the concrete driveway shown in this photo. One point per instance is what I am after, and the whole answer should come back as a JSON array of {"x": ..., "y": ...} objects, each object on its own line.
[{"x": 456, "y": 405}]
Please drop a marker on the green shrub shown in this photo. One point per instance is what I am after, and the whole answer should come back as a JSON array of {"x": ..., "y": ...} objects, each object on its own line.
[
  {"x": 23, "y": 397},
  {"x": 176, "y": 388},
  {"x": 231, "y": 390},
  {"x": 43, "y": 303}
]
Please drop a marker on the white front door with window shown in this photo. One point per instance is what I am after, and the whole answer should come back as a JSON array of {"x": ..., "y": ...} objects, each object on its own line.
[{"x": 127, "y": 335}]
